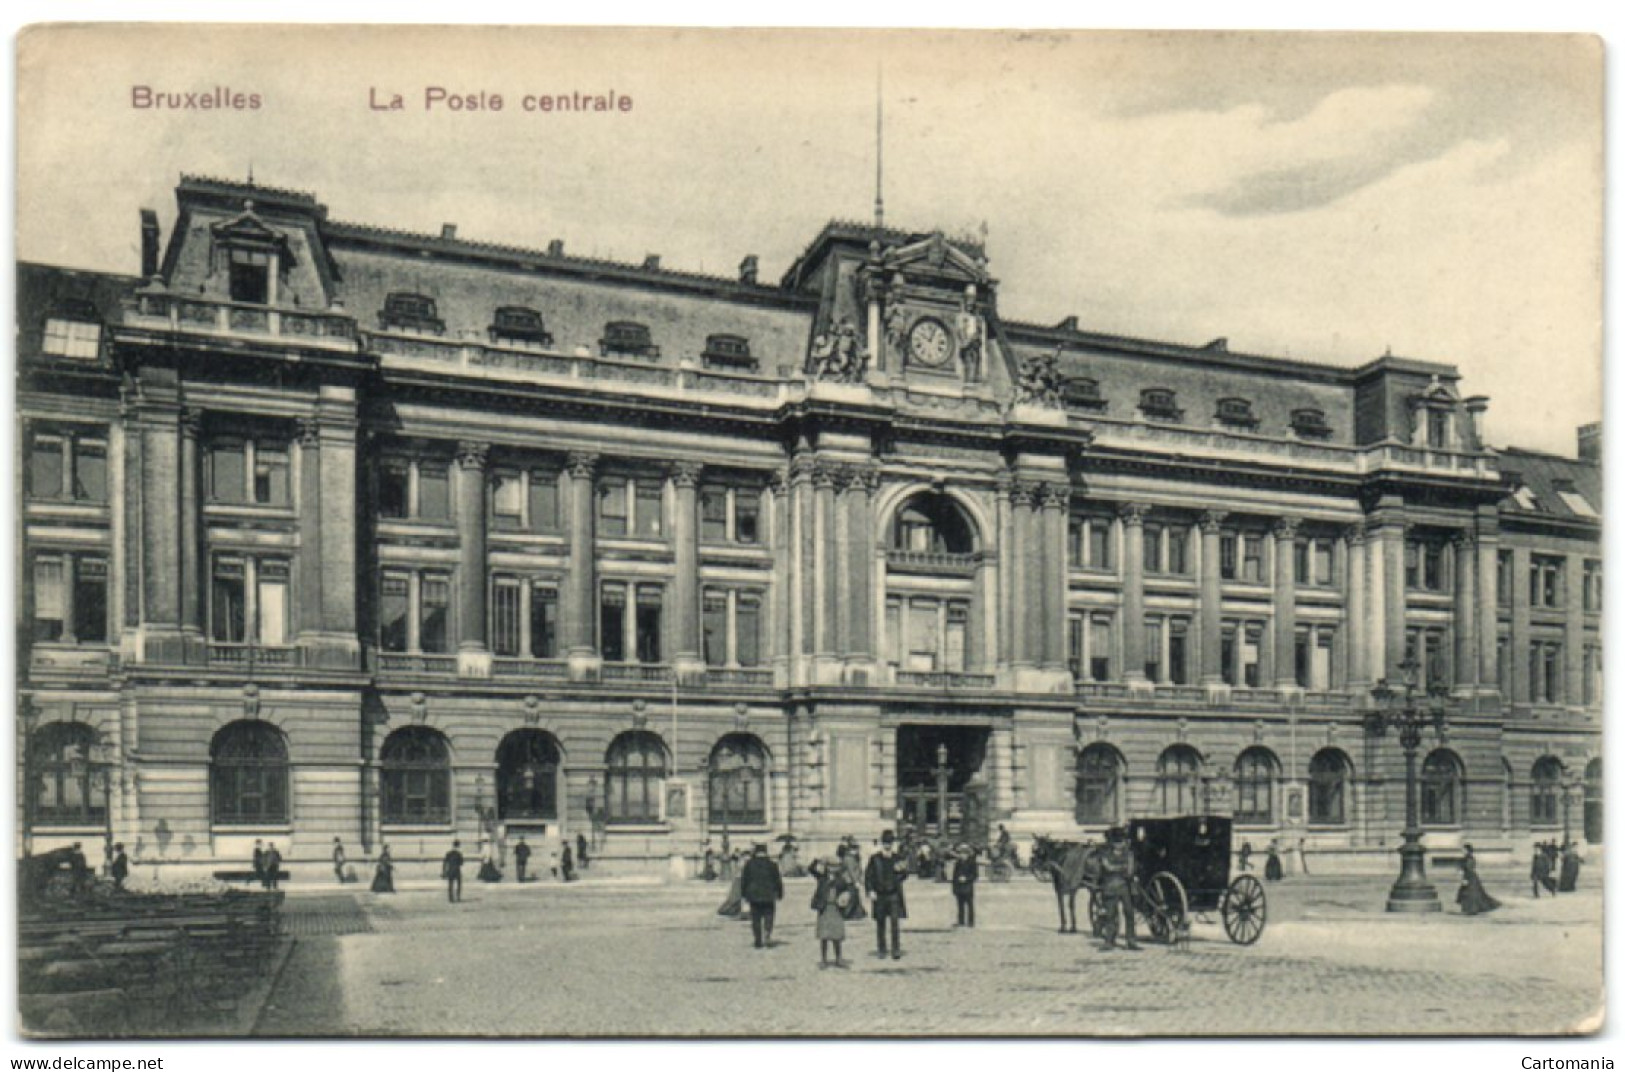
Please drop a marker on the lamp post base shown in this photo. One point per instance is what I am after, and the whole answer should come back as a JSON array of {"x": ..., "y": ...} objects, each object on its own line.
[{"x": 1412, "y": 892}]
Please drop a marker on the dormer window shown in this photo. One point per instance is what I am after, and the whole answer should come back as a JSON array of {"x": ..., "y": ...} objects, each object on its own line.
[
  {"x": 1571, "y": 497},
  {"x": 1311, "y": 424},
  {"x": 517, "y": 324},
  {"x": 1084, "y": 393},
  {"x": 250, "y": 276},
  {"x": 627, "y": 338},
  {"x": 1236, "y": 413},
  {"x": 1157, "y": 403},
  {"x": 73, "y": 329},
  {"x": 405, "y": 311},
  {"x": 730, "y": 352}
]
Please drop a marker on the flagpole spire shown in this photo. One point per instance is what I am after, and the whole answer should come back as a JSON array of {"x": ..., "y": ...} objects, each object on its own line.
[{"x": 880, "y": 149}]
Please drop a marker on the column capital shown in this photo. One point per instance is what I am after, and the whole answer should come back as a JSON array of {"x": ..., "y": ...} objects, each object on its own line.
[
  {"x": 1211, "y": 520},
  {"x": 1133, "y": 513},
  {"x": 687, "y": 474},
  {"x": 191, "y": 421},
  {"x": 1055, "y": 495},
  {"x": 1003, "y": 481},
  {"x": 1464, "y": 539},
  {"x": 1354, "y": 533},
  {"x": 1023, "y": 493},
  {"x": 826, "y": 474},
  {"x": 581, "y": 464},
  {"x": 778, "y": 482},
  {"x": 472, "y": 454},
  {"x": 1286, "y": 528},
  {"x": 310, "y": 432},
  {"x": 802, "y": 467}
]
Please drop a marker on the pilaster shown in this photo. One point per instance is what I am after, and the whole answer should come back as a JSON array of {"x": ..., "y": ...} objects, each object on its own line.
[
  {"x": 1285, "y": 603},
  {"x": 1132, "y": 551},
  {"x": 473, "y": 655},
  {"x": 1211, "y": 599}
]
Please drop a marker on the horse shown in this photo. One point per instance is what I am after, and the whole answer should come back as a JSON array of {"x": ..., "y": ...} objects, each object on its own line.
[{"x": 1069, "y": 865}]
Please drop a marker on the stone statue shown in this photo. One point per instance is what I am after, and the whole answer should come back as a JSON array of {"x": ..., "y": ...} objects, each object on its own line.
[
  {"x": 1039, "y": 381},
  {"x": 970, "y": 330},
  {"x": 838, "y": 354}
]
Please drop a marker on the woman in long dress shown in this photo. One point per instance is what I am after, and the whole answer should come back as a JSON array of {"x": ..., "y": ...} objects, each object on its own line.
[
  {"x": 1272, "y": 864},
  {"x": 383, "y": 875},
  {"x": 1471, "y": 895},
  {"x": 832, "y": 900}
]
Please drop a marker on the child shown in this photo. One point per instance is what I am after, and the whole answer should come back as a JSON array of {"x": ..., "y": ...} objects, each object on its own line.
[{"x": 832, "y": 900}]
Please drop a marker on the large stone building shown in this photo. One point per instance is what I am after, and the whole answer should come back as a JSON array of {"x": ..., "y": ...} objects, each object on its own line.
[{"x": 334, "y": 531}]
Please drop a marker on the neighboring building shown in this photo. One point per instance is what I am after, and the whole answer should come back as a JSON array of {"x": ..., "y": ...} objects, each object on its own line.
[{"x": 329, "y": 530}]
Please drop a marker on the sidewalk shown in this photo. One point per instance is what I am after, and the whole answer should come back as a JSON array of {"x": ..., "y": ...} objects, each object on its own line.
[{"x": 328, "y": 888}]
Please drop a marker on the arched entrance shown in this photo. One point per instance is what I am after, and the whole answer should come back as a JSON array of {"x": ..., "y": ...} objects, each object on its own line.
[
  {"x": 937, "y": 783},
  {"x": 528, "y": 777}
]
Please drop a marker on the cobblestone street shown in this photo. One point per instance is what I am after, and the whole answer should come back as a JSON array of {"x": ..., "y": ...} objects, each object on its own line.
[{"x": 603, "y": 959}]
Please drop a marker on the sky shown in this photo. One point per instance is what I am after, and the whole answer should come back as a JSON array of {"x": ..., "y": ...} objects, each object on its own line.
[{"x": 1322, "y": 197}]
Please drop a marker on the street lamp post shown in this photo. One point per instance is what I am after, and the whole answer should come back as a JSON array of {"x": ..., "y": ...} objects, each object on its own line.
[
  {"x": 1409, "y": 709},
  {"x": 942, "y": 772}
]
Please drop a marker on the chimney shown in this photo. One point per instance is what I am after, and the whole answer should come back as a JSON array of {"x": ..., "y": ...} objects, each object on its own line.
[
  {"x": 747, "y": 270},
  {"x": 1590, "y": 437},
  {"x": 448, "y": 231},
  {"x": 555, "y": 248},
  {"x": 149, "y": 243},
  {"x": 1069, "y": 324},
  {"x": 652, "y": 261}
]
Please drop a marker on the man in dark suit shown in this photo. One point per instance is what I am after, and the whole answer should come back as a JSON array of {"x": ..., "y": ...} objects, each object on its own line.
[
  {"x": 883, "y": 882},
  {"x": 259, "y": 862},
  {"x": 273, "y": 866},
  {"x": 451, "y": 869},
  {"x": 581, "y": 851},
  {"x": 1119, "y": 873},
  {"x": 521, "y": 858},
  {"x": 965, "y": 876},
  {"x": 762, "y": 887},
  {"x": 119, "y": 870}
]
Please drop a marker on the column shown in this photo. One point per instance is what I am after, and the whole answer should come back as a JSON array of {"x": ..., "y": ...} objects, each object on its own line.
[
  {"x": 1519, "y": 642},
  {"x": 160, "y": 535},
  {"x": 1028, "y": 575},
  {"x": 861, "y": 554},
  {"x": 824, "y": 479},
  {"x": 1132, "y": 549},
  {"x": 308, "y": 601},
  {"x": 1285, "y": 603},
  {"x": 686, "y": 580},
  {"x": 783, "y": 607},
  {"x": 337, "y": 523},
  {"x": 473, "y": 657},
  {"x": 580, "y": 602},
  {"x": 1393, "y": 577},
  {"x": 1009, "y": 582},
  {"x": 1376, "y": 628},
  {"x": 1356, "y": 615},
  {"x": 1574, "y": 630},
  {"x": 1211, "y": 598},
  {"x": 191, "y": 529},
  {"x": 131, "y": 570},
  {"x": 1057, "y": 501},
  {"x": 1466, "y": 610},
  {"x": 1488, "y": 547}
]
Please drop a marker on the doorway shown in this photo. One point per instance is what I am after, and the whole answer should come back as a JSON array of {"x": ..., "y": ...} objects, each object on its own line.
[{"x": 952, "y": 806}]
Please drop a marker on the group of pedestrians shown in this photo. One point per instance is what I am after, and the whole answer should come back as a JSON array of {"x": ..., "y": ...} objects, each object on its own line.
[
  {"x": 267, "y": 864},
  {"x": 1554, "y": 868}
]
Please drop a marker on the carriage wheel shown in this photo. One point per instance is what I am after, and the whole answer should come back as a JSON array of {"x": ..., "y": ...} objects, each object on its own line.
[
  {"x": 1167, "y": 908},
  {"x": 1100, "y": 915},
  {"x": 1244, "y": 910}
]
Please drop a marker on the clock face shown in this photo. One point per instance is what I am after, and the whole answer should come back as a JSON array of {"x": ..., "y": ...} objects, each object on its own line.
[{"x": 928, "y": 344}]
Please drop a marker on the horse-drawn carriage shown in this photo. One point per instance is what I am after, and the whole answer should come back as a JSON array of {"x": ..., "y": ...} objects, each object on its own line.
[{"x": 1181, "y": 870}]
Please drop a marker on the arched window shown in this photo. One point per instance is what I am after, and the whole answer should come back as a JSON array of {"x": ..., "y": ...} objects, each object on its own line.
[
  {"x": 1179, "y": 776},
  {"x": 1441, "y": 788},
  {"x": 1100, "y": 772},
  {"x": 1256, "y": 770},
  {"x": 528, "y": 776},
  {"x": 66, "y": 787},
  {"x": 932, "y": 522},
  {"x": 416, "y": 776},
  {"x": 248, "y": 774},
  {"x": 738, "y": 781},
  {"x": 636, "y": 769},
  {"x": 1545, "y": 786},
  {"x": 1329, "y": 771},
  {"x": 1593, "y": 801}
]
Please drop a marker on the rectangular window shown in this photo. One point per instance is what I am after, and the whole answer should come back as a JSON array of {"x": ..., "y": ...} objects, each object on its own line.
[
  {"x": 250, "y": 276},
  {"x": 505, "y": 638},
  {"x": 612, "y": 623},
  {"x": 1100, "y": 649},
  {"x": 434, "y": 622},
  {"x": 923, "y": 639},
  {"x": 1503, "y": 578},
  {"x": 713, "y": 513},
  {"x": 1152, "y": 559},
  {"x": 394, "y": 484},
  {"x": 1323, "y": 562},
  {"x": 649, "y": 612},
  {"x": 1100, "y": 544},
  {"x": 434, "y": 491},
  {"x": 954, "y": 654},
  {"x": 1545, "y": 581},
  {"x": 544, "y": 622},
  {"x": 1153, "y": 651},
  {"x": 651, "y": 507},
  {"x": 1227, "y": 556},
  {"x": 748, "y": 629},
  {"x": 894, "y": 631},
  {"x": 507, "y": 501},
  {"x": 228, "y": 461},
  {"x": 394, "y": 609},
  {"x": 1552, "y": 656},
  {"x": 1074, "y": 646},
  {"x": 1591, "y": 592},
  {"x": 544, "y": 501},
  {"x": 612, "y": 508},
  {"x": 714, "y": 628},
  {"x": 1227, "y": 653},
  {"x": 1251, "y": 655},
  {"x": 1300, "y": 562},
  {"x": 45, "y": 466},
  {"x": 271, "y": 603},
  {"x": 1076, "y": 552},
  {"x": 1252, "y": 559},
  {"x": 1433, "y": 567},
  {"x": 50, "y": 598},
  {"x": 1179, "y": 548},
  {"x": 89, "y": 471},
  {"x": 1438, "y": 429},
  {"x": 1301, "y": 657},
  {"x": 271, "y": 474},
  {"x": 1321, "y": 678},
  {"x": 1588, "y": 675},
  {"x": 1179, "y": 651},
  {"x": 90, "y": 600},
  {"x": 1503, "y": 665},
  {"x": 228, "y": 605},
  {"x": 747, "y": 515},
  {"x": 72, "y": 338}
]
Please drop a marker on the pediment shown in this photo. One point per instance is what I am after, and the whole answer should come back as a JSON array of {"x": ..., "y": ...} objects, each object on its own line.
[
  {"x": 246, "y": 228},
  {"x": 937, "y": 255}
]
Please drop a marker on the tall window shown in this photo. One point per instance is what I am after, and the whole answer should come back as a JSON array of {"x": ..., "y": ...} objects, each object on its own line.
[
  {"x": 1100, "y": 769},
  {"x": 1241, "y": 557},
  {"x": 1167, "y": 651},
  {"x": 1167, "y": 549},
  {"x": 1329, "y": 774},
  {"x": 1425, "y": 565},
  {"x": 71, "y": 336},
  {"x": 1312, "y": 657},
  {"x": 1441, "y": 789},
  {"x": 416, "y": 777},
  {"x": 1241, "y": 652},
  {"x": 507, "y": 597},
  {"x": 634, "y": 778},
  {"x": 1089, "y": 541},
  {"x": 1591, "y": 591},
  {"x": 1545, "y": 782},
  {"x": 931, "y": 635},
  {"x": 66, "y": 788},
  {"x": 1545, "y": 671},
  {"x": 1503, "y": 578},
  {"x": 737, "y": 781},
  {"x": 730, "y": 514},
  {"x": 612, "y": 623},
  {"x": 1179, "y": 775},
  {"x": 248, "y": 774},
  {"x": 70, "y": 598},
  {"x": 248, "y": 601},
  {"x": 731, "y": 624},
  {"x": 528, "y": 763},
  {"x": 250, "y": 276},
  {"x": 248, "y": 471},
  {"x": 630, "y": 633},
  {"x": 68, "y": 465},
  {"x": 1255, "y": 786},
  {"x": 1312, "y": 561},
  {"x": 434, "y": 613},
  {"x": 1545, "y": 581},
  {"x": 524, "y": 618},
  {"x": 631, "y": 507}
]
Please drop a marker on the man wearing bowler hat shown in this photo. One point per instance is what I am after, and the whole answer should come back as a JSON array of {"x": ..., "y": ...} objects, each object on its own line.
[
  {"x": 883, "y": 882},
  {"x": 762, "y": 887}
]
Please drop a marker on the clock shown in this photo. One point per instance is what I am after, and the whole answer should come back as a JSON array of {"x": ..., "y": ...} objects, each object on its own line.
[{"x": 929, "y": 344}]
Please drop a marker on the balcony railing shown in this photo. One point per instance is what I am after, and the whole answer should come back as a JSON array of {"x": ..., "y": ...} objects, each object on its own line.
[
  {"x": 644, "y": 672},
  {"x": 530, "y": 669},
  {"x": 753, "y": 676},
  {"x": 253, "y": 655},
  {"x": 1102, "y": 690},
  {"x": 394, "y": 662},
  {"x": 1182, "y": 693},
  {"x": 943, "y": 679},
  {"x": 237, "y": 318},
  {"x": 961, "y": 564}
]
